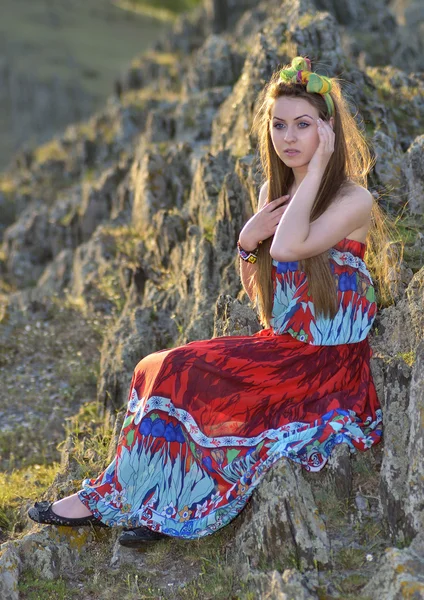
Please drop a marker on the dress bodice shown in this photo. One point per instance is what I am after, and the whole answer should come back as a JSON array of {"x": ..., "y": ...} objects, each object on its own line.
[{"x": 293, "y": 309}]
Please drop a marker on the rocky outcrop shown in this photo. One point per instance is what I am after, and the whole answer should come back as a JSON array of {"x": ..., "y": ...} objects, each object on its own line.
[
  {"x": 280, "y": 524},
  {"x": 413, "y": 175},
  {"x": 399, "y": 573},
  {"x": 217, "y": 63}
]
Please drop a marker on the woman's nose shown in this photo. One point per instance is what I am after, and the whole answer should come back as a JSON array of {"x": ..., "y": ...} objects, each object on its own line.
[{"x": 289, "y": 134}]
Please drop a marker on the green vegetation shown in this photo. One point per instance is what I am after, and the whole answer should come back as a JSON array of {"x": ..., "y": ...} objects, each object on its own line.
[
  {"x": 52, "y": 150},
  {"x": 41, "y": 389},
  {"x": 7, "y": 183},
  {"x": 335, "y": 509},
  {"x": 400, "y": 100},
  {"x": 40, "y": 396},
  {"x": 306, "y": 20},
  {"x": 126, "y": 239},
  {"x": 164, "y": 10},
  {"x": 110, "y": 287},
  {"x": 208, "y": 224},
  {"x": 167, "y": 59},
  {"x": 140, "y": 98},
  {"x": 403, "y": 541},
  {"x": 172, "y": 5},
  {"x": 91, "y": 433},
  {"x": 22, "y": 484},
  {"x": 31, "y": 587},
  {"x": 409, "y": 227},
  {"x": 202, "y": 563},
  {"x": 408, "y": 357}
]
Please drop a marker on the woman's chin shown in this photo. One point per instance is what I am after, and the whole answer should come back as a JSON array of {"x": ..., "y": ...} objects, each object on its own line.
[{"x": 297, "y": 161}]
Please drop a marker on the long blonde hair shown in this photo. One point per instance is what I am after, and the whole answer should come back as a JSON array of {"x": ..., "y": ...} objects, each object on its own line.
[{"x": 349, "y": 164}]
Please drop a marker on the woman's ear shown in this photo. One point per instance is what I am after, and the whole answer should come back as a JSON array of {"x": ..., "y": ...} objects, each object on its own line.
[{"x": 331, "y": 121}]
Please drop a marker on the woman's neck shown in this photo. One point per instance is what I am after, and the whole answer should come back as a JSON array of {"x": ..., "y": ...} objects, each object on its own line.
[{"x": 295, "y": 186}]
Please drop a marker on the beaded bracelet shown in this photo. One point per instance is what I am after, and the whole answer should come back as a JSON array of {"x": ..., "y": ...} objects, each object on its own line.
[{"x": 248, "y": 256}]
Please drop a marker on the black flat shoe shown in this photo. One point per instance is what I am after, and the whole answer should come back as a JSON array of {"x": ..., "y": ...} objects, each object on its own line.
[
  {"x": 133, "y": 538},
  {"x": 42, "y": 512}
]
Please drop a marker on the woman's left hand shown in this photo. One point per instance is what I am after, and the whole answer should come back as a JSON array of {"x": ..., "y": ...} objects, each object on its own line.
[{"x": 319, "y": 161}]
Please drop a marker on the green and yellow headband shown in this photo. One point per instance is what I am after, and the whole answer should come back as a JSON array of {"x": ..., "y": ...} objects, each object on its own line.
[{"x": 300, "y": 72}]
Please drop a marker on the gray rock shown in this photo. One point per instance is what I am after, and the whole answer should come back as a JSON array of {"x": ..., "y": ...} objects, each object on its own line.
[
  {"x": 233, "y": 318},
  {"x": 10, "y": 565},
  {"x": 281, "y": 523},
  {"x": 396, "y": 426},
  {"x": 284, "y": 586},
  {"x": 160, "y": 71},
  {"x": 389, "y": 157},
  {"x": 160, "y": 124},
  {"x": 399, "y": 573},
  {"x": 159, "y": 181},
  {"x": 216, "y": 63},
  {"x": 400, "y": 326},
  {"x": 400, "y": 331},
  {"x": 92, "y": 262},
  {"x": 207, "y": 182},
  {"x": 170, "y": 229},
  {"x": 138, "y": 332},
  {"x": 57, "y": 275},
  {"x": 348, "y": 12},
  {"x": 27, "y": 245},
  {"x": 414, "y": 489},
  {"x": 97, "y": 201},
  {"x": 193, "y": 116},
  {"x": 413, "y": 176}
]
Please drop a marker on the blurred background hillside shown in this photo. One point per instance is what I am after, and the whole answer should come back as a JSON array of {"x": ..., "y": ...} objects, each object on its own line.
[{"x": 59, "y": 60}]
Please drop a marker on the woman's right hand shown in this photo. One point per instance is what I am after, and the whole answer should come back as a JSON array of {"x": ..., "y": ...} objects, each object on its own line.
[{"x": 263, "y": 224}]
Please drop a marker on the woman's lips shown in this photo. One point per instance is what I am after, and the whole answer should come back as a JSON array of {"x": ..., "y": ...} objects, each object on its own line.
[{"x": 291, "y": 152}]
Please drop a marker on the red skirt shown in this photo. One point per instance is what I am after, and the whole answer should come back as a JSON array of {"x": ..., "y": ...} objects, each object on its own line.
[{"x": 205, "y": 421}]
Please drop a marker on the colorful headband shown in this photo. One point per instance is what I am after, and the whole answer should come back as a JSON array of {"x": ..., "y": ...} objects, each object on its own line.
[{"x": 300, "y": 72}]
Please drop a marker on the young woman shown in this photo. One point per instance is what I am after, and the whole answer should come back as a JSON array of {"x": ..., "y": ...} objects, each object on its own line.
[{"x": 205, "y": 421}]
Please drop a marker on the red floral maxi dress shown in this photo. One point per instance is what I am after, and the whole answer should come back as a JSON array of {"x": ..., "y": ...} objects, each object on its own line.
[{"x": 205, "y": 421}]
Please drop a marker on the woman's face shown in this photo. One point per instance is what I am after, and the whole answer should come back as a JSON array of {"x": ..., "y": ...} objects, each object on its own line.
[{"x": 293, "y": 125}]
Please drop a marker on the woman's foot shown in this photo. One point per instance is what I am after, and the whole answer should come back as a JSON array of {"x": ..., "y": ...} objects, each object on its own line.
[
  {"x": 71, "y": 507},
  {"x": 70, "y": 512}
]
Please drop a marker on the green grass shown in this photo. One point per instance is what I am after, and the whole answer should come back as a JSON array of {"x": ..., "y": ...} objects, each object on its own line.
[
  {"x": 172, "y": 5},
  {"x": 398, "y": 100},
  {"x": 335, "y": 509},
  {"x": 28, "y": 483},
  {"x": 126, "y": 240},
  {"x": 51, "y": 150},
  {"x": 32, "y": 587},
  {"x": 65, "y": 367},
  {"x": 79, "y": 46},
  {"x": 91, "y": 434},
  {"x": 208, "y": 224},
  {"x": 26, "y": 446},
  {"x": 408, "y": 357},
  {"x": 70, "y": 43},
  {"x": 164, "y": 10},
  {"x": 408, "y": 227}
]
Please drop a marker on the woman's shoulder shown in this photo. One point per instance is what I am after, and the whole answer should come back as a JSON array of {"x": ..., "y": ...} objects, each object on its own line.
[
  {"x": 350, "y": 188},
  {"x": 264, "y": 188},
  {"x": 351, "y": 191},
  {"x": 263, "y": 195}
]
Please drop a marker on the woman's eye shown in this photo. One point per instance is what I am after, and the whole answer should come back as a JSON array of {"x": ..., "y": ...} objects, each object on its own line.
[{"x": 301, "y": 123}]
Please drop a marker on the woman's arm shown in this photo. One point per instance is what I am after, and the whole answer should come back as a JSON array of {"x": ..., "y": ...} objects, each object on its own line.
[{"x": 247, "y": 269}]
